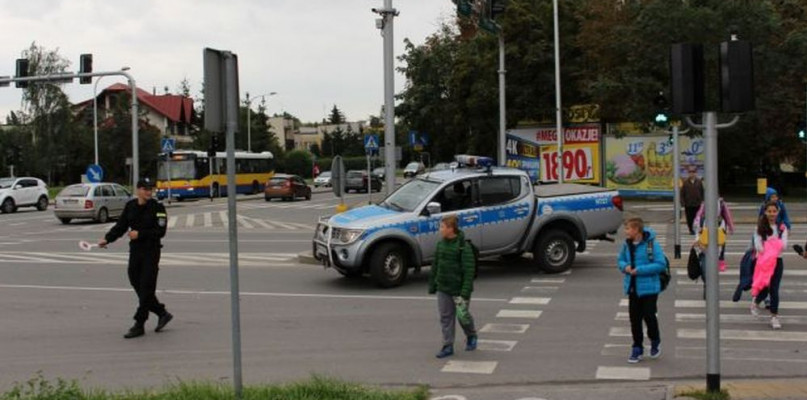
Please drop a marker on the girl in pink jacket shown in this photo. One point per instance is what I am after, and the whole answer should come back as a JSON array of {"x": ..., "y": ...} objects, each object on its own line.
[{"x": 769, "y": 241}]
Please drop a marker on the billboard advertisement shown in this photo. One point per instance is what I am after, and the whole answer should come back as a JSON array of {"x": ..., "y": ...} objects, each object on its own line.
[
  {"x": 581, "y": 153},
  {"x": 522, "y": 155}
]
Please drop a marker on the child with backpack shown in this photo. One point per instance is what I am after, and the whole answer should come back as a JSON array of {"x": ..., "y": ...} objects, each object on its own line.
[
  {"x": 452, "y": 278},
  {"x": 642, "y": 262},
  {"x": 769, "y": 241}
]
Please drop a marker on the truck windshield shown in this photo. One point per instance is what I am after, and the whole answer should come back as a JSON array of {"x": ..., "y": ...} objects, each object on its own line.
[{"x": 410, "y": 195}]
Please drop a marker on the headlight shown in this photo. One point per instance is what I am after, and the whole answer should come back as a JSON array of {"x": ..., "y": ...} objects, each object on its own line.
[{"x": 347, "y": 236}]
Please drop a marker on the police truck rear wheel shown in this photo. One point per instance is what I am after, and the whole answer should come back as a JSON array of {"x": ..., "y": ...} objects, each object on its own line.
[
  {"x": 554, "y": 252},
  {"x": 388, "y": 265}
]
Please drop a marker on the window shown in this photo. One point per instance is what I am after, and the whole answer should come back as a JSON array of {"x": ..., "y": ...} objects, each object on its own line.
[
  {"x": 107, "y": 191},
  {"x": 121, "y": 191},
  {"x": 97, "y": 192},
  {"x": 498, "y": 190},
  {"x": 456, "y": 196},
  {"x": 28, "y": 183}
]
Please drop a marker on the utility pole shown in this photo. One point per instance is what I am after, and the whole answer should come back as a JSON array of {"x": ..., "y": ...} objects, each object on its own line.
[
  {"x": 558, "y": 109},
  {"x": 385, "y": 23},
  {"x": 502, "y": 106}
]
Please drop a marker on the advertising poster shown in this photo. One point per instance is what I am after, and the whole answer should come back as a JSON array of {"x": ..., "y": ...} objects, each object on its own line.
[
  {"x": 581, "y": 154},
  {"x": 642, "y": 164},
  {"x": 522, "y": 155}
]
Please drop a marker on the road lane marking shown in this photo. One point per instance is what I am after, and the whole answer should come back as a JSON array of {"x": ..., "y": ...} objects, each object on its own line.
[
  {"x": 504, "y": 328},
  {"x": 540, "y": 289},
  {"x": 252, "y": 294},
  {"x": 737, "y": 334},
  {"x": 172, "y": 221},
  {"x": 742, "y": 354},
  {"x": 736, "y": 273},
  {"x": 470, "y": 367},
  {"x": 741, "y": 318},
  {"x": 283, "y": 225},
  {"x": 208, "y": 219},
  {"x": 530, "y": 300},
  {"x": 223, "y": 217},
  {"x": 244, "y": 222},
  {"x": 496, "y": 345},
  {"x": 623, "y": 373},
  {"x": 790, "y": 305},
  {"x": 534, "y": 314},
  {"x": 189, "y": 220},
  {"x": 548, "y": 280}
]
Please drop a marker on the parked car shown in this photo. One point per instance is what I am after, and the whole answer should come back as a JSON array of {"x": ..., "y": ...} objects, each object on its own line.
[
  {"x": 357, "y": 180},
  {"x": 498, "y": 208},
  {"x": 286, "y": 187},
  {"x": 380, "y": 173},
  {"x": 323, "y": 179},
  {"x": 23, "y": 192},
  {"x": 413, "y": 168},
  {"x": 440, "y": 166},
  {"x": 97, "y": 201}
]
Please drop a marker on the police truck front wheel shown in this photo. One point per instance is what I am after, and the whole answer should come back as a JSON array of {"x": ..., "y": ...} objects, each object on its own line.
[
  {"x": 388, "y": 265},
  {"x": 554, "y": 251}
]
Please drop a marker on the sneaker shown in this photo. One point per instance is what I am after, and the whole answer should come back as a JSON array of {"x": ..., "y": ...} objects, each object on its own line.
[
  {"x": 798, "y": 249},
  {"x": 754, "y": 308},
  {"x": 163, "y": 321},
  {"x": 136, "y": 331},
  {"x": 655, "y": 349},
  {"x": 635, "y": 355},
  {"x": 722, "y": 266},
  {"x": 447, "y": 350},
  {"x": 775, "y": 324},
  {"x": 470, "y": 344}
]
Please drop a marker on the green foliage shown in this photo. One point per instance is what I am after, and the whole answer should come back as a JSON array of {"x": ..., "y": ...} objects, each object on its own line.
[
  {"x": 298, "y": 162},
  {"x": 316, "y": 388},
  {"x": 704, "y": 395},
  {"x": 356, "y": 162}
]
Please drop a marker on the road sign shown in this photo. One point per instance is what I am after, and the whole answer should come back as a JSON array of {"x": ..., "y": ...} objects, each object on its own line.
[
  {"x": 95, "y": 173},
  {"x": 167, "y": 145},
  {"x": 371, "y": 142},
  {"x": 413, "y": 138}
]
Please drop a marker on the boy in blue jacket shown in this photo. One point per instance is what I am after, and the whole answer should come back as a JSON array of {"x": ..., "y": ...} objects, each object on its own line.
[{"x": 642, "y": 284}]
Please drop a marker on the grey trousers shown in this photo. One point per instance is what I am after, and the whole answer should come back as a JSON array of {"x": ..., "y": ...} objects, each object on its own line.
[{"x": 448, "y": 316}]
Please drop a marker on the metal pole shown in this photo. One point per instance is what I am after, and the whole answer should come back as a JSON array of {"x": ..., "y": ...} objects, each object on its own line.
[
  {"x": 135, "y": 134},
  {"x": 211, "y": 160},
  {"x": 95, "y": 116},
  {"x": 168, "y": 175},
  {"x": 502, "y": 106},
  {"x": 677, "y": 192},
  {"x": 388, "y": 16},
  {"x": 249, "y": 126},
  {"x": 558, "y": 110},
  {"x": 710, "y": 270},
  {"x": 230, "y": 76},
  {"x": 369, "y": 181}
]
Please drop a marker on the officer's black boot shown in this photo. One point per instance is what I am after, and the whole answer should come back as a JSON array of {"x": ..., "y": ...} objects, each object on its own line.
[
  {"x": 136, "y": 330},
  {"x": 163, "y": 321}
]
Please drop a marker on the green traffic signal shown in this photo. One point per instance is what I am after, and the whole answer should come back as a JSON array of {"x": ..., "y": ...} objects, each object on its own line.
[
  {"x": 661, "y": 119},
  {"x": 801, "y": 131}
]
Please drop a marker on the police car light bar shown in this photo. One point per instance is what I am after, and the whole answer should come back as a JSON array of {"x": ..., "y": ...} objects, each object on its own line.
[{"x": 474, "y": 161}]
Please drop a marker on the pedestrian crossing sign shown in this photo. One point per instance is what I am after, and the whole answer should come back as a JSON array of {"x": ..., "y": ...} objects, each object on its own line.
[{"x": 371, "y": 142}]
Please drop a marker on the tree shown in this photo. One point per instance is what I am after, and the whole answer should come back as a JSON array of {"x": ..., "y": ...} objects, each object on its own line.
[
  {"x": 336, "y": 117},
  {"x": 115, "y": 137}
]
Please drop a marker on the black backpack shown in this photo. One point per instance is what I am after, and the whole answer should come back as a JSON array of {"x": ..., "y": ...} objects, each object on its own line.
[
  {"x": 475, "y": 252},
  {"x": 664, "y": 277}
]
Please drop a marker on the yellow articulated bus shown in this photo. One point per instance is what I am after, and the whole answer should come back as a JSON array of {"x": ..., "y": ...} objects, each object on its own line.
[{"x": 191, "y": 174}]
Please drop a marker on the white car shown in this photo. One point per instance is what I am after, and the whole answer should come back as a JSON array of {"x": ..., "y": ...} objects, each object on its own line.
[
  {"x": 23, "y": 192},
  {"x": 323, "y": 179}
]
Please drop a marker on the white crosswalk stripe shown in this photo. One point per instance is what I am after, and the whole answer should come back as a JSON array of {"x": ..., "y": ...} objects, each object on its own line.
[{"x": 185, "y": 259}]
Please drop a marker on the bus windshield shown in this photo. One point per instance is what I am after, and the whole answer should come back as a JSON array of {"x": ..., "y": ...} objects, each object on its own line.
[{"x": 180, "y": 170}]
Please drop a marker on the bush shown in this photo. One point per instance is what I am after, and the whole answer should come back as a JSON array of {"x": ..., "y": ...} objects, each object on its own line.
[
  {"x": 357, "y": 162},
  {"x": 297, "y": 162}
]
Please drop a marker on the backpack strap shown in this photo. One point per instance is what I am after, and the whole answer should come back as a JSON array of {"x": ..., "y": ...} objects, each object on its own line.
[{"x": 650, "y": 254}]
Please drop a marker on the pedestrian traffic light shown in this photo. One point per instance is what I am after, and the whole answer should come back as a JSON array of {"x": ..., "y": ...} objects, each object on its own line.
[
  {"x": 22, "y": 72},
  {"x": 801, "y": 131},
  {"x": 661, "y": 118},
  {"x": 85, "y": 67}
]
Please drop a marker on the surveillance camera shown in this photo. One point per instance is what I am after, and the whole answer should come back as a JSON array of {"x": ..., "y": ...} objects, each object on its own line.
[
  {"x": 379, "y": 23},
  {"x": 375, "y": 10}
]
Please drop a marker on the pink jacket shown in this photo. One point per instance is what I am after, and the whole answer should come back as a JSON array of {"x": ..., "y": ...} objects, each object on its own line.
[{"x": 766, "y": 264}]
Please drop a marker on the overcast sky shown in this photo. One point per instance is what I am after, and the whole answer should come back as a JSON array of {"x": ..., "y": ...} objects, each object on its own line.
[{"x": 313, "y": 53}]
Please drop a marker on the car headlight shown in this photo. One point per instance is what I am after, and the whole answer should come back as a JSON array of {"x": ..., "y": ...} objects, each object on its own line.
[{"x": 347, "y": 236}]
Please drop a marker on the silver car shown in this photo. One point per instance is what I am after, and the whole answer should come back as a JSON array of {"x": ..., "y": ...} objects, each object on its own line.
[{"x": 97, "y": 201}]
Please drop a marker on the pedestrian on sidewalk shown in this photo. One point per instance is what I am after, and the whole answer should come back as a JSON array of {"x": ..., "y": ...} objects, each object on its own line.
[
  {"x": 452, "y": 278},
  {"x": 641, "y": 282},
  {"x": 769, "y": 241},
  {"x": 692, "y": 196},
  {"x": 771, "y": 195},
  {"x": 143, "y": 220}
]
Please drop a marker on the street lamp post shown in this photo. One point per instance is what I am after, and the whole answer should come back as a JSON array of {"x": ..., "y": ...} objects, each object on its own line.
[
  {"x": 95, "y": 112},
  {"x": 249, "y": 111}
]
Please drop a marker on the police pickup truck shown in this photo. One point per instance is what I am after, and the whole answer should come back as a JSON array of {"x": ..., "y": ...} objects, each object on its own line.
[{"x": 498, "y": 209}]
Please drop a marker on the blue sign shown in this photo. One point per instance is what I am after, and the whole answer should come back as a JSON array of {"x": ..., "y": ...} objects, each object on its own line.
[
  {"x": 167, "y": 145},
  {"x": 418, "y": 139},
  {"x": 424, "y": 139},
  {"x": 371, "y": 142},
  {"x": 413, "y": 138},
  {"x": 95, "y": 173}
]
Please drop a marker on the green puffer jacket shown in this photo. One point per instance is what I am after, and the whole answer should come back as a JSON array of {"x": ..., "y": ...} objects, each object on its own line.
[{"x": 447, "y": 275}]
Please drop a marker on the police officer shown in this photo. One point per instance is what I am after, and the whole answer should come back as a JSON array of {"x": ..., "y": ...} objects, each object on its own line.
[{"x": 144, "y": 220}]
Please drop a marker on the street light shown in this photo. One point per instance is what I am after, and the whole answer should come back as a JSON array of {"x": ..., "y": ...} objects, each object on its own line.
[
  {"x": 249, "y": 111},
  {"x": 95, "y": 112}
]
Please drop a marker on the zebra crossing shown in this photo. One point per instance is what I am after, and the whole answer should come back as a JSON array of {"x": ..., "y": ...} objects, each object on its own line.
[
  {"x": 166, "y": 259},
  {"x": 744, "y": 337},
  {"x": 212, "y": 219},
  {"x": 740, "y": 240}
]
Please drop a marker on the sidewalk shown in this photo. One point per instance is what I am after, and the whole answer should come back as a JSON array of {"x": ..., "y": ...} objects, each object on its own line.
[{"x": 745, "y": 389}]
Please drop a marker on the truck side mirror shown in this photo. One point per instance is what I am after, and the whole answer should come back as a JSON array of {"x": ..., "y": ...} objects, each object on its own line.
[{"x": 433, "y": 208}]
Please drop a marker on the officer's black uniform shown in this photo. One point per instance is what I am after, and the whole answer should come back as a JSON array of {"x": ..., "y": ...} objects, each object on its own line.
[{"x": 149, "y": 220}]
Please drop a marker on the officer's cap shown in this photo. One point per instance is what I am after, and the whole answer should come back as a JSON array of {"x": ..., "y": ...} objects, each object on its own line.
[{"x": 145, "y": 183}]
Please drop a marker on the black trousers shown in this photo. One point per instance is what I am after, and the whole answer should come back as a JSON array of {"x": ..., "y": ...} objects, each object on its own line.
[
  {"x": 773, "y": 289},
  {"x": 691, "y": 212},
  {"x": 643, "y": 309},
  {"x": 143, "y": 270}
]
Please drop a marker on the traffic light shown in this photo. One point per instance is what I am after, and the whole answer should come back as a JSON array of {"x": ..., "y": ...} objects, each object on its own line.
[
  {"x": 661, "y": 118},
  {"x": 214, "y": 145},
  {"x": 85, "y": 67},
  {"x": 22, "y": 72},
  {"x": 801, "y": 131},
  {"x": 497, "y": 8}
]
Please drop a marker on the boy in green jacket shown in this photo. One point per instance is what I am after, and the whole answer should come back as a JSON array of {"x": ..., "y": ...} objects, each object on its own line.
[{"x": 452, "y": 278}]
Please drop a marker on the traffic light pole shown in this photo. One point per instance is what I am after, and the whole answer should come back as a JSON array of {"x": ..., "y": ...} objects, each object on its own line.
[
  {"x": 5, "y": 81},
  {"x": 385, "y": 23},
  {"x": 558, "y": 110},
  {"x": 502, "y": 105},
  {"x": 677, "y": 191}
]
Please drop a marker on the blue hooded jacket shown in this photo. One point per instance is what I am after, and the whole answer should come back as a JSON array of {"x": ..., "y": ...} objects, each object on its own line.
[
  {"x": 647, "y": 273},
  {"x": 782, "y": 218}
]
